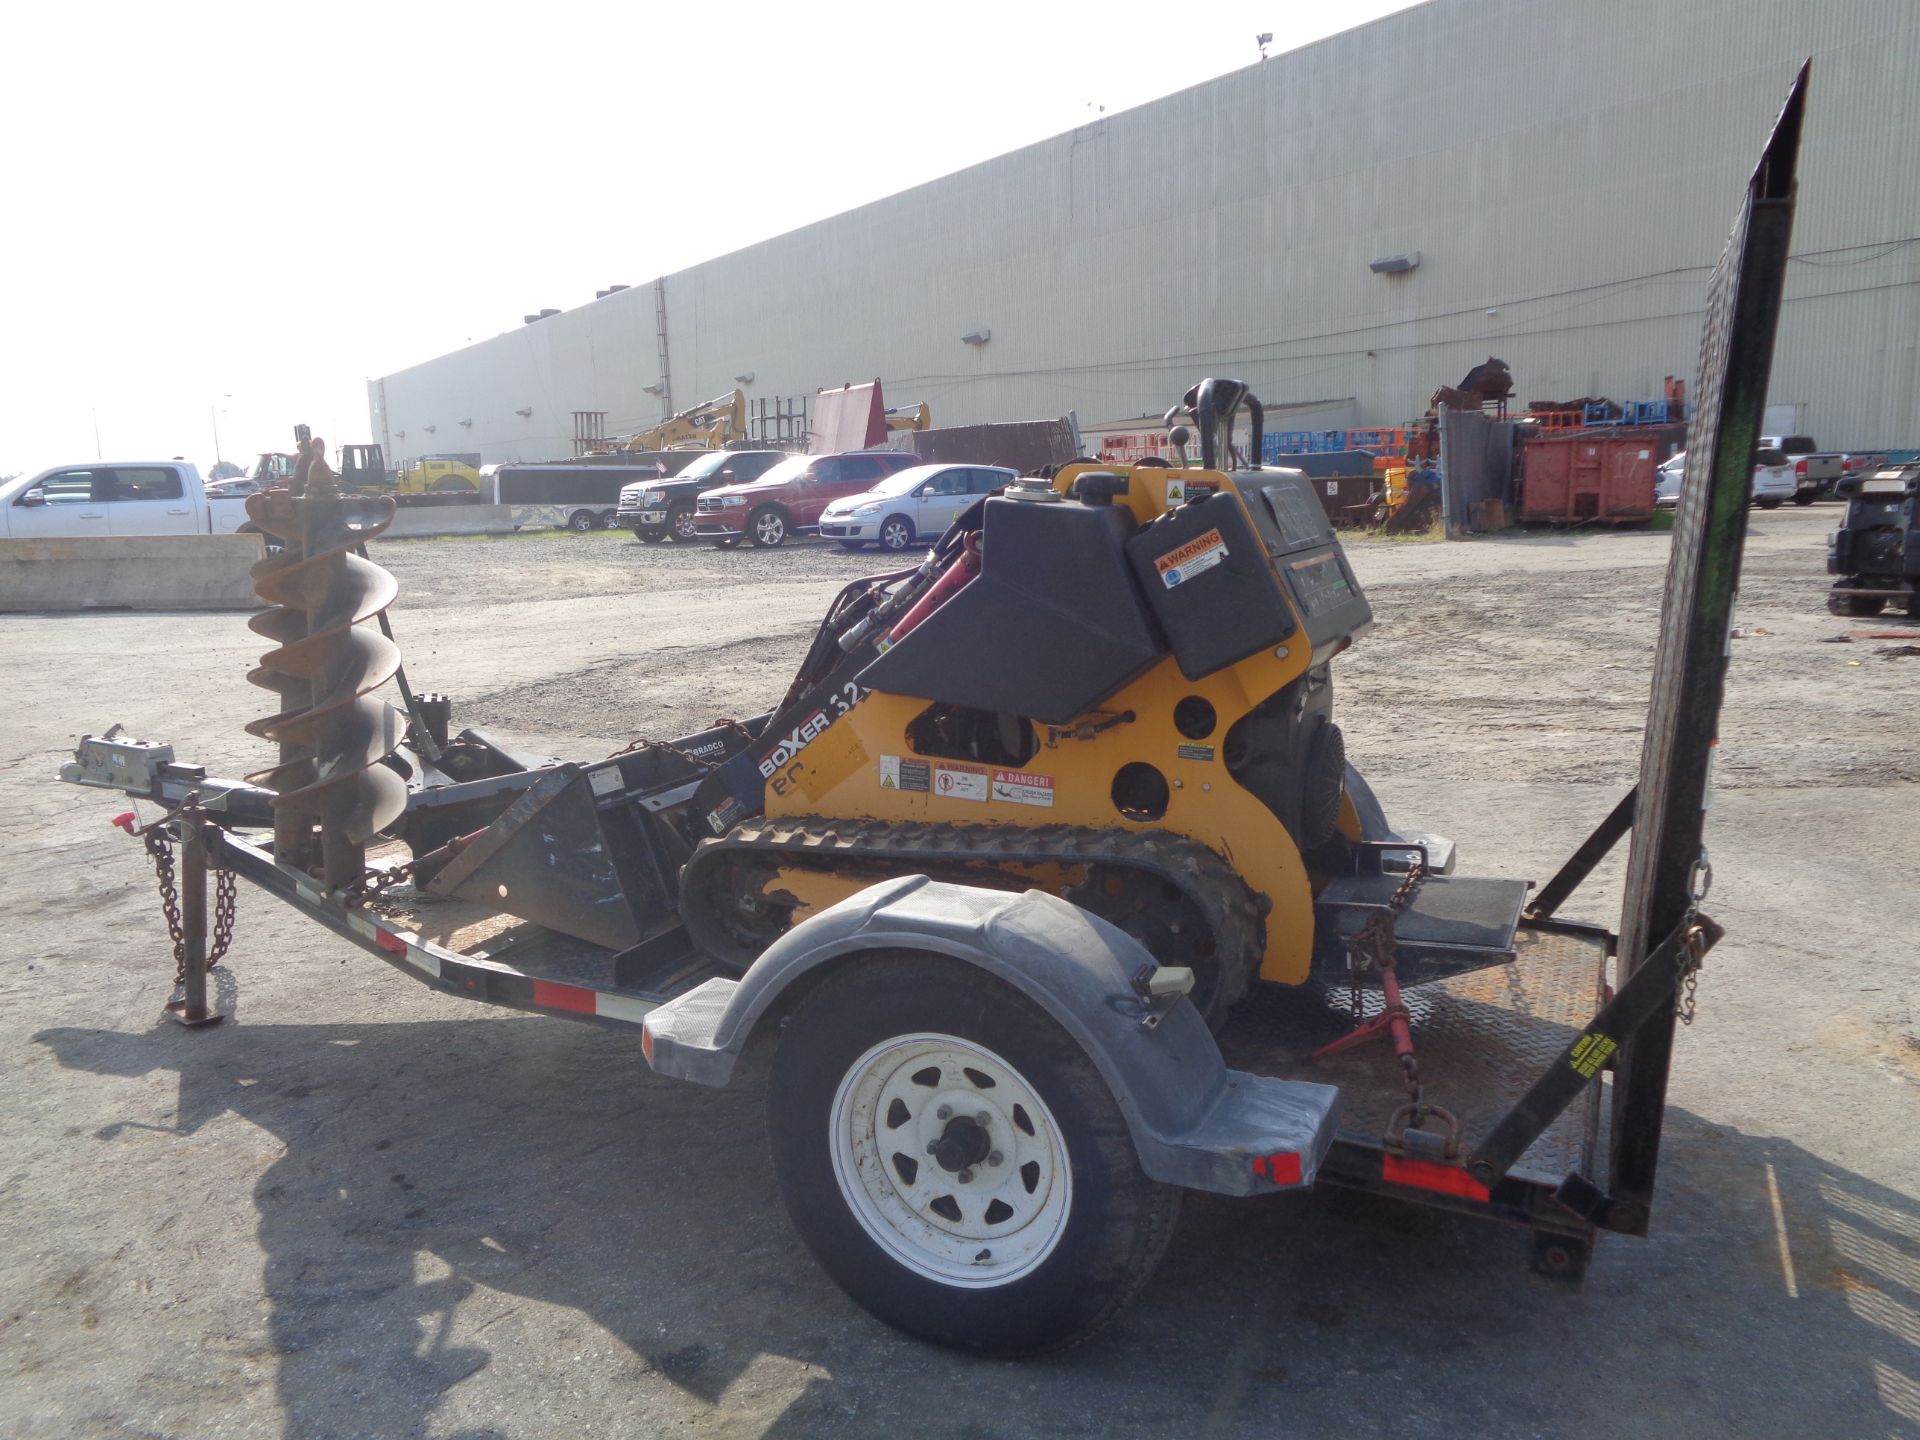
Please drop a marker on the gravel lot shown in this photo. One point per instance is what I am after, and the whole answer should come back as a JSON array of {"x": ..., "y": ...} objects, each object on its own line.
[{"x": 364, "y": 1209}]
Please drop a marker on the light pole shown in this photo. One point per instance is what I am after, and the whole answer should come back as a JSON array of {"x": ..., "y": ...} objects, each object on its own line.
[{"x": 213, "y": 413}]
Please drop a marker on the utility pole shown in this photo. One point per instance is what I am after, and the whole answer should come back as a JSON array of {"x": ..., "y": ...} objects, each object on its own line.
[
  {"x": 213, "y": 413},
  {"x": 96, "y": 434}
]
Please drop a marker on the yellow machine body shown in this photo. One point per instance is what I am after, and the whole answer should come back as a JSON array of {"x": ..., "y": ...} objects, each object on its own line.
[{"x": 853, "y": 770}]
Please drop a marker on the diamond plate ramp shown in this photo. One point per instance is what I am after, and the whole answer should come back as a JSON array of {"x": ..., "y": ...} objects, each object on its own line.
[{"x": 1482, "y": 1038}]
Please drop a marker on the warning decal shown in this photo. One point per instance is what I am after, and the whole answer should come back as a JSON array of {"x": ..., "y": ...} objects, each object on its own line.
[
  {"x": 898, "y": 774},
  {"x": 951, "y": 783},
  {"x": 1176, "y": 492},
  {"x": 1181, "y": 564},
  {"x": 1019, "y": 787}
]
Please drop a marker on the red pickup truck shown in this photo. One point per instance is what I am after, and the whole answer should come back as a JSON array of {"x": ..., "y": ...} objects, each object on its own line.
[{"x": 788, "y": 499}]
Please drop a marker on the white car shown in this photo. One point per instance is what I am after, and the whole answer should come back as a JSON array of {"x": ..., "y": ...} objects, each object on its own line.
[
  {"x": 909, "y": 505},
  {"x": 1773, "y": 479}
]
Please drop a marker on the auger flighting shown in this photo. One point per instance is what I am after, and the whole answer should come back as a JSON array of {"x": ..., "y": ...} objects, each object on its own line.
[{"x": 331, "y": 731}]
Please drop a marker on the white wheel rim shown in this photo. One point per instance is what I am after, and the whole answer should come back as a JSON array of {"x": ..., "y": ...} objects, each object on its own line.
[
  {"x": 989, "y": 1230},
  {"x": 770, "y": 528},
  {"x": 896, "y": 536}
]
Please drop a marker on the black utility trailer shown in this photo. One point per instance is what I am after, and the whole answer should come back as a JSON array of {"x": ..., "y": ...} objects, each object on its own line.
[{"x": 1083, "y": 1091}]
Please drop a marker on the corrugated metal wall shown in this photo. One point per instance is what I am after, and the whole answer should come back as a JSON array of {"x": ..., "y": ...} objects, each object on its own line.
[{"x": 1566, "y": 169}]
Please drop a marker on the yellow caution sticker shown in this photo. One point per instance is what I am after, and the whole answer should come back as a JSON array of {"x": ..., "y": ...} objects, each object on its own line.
[{"x": 1590, "y": 1052}]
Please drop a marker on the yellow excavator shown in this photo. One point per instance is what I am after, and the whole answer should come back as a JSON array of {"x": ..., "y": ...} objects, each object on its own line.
[{"x": 710, "y": 425}]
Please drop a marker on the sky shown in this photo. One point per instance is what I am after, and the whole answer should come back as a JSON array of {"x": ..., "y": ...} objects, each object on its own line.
[{"x": 222, "y": 219}]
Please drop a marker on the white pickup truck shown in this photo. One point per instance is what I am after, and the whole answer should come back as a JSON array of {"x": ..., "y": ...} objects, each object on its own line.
[{"x": 144, "y": 497}]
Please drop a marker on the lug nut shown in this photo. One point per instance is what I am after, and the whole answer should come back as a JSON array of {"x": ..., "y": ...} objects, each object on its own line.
[
  {"x": 945, "y": 1112},
  {"x": 932, "y": 1149},
  {"x": 982, "y": 1118},
  {"x": 965, "y": 1177},
  {"x": 995, "y": 1158}
]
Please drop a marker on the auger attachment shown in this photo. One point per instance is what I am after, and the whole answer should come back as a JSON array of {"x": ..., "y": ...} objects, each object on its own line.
[{"x": 331, "y": 732}]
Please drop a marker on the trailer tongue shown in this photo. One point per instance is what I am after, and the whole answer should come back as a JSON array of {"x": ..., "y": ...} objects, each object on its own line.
[{"x": 986, "y": 1101}]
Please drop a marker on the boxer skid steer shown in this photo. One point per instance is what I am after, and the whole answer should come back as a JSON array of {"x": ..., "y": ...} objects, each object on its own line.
[{"x": 1031, "y": 818}]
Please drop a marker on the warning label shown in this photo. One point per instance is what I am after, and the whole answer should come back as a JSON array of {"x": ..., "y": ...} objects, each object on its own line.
[
  {"x": 955, "y": 784},
  {"x": 1199, "y": 554},
  {"x": 1019, "y": 787},
  {"x": 1176, "y": 492},
  {"x": 1195, "y": 752},
  {"x": 899, "y": 774}
]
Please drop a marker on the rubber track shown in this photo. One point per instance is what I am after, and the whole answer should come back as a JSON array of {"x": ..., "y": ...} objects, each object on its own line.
[{"x": 1231, "y": 909}]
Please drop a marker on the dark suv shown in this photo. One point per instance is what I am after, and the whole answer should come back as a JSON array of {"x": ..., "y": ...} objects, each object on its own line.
[{"x": 657, "y": 509}]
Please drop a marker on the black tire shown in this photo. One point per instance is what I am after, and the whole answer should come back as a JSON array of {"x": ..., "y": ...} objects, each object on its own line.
[
  {"x": 1115, "y": 1224},
  {"x": 896, "y": 534},
  {"x": 582, "y": 521},
  {"x": 680, "y": 523},
  {"x": 1806, "y": 497},
  {"x": 1858, "y": 606},
  {"x": 767, "y": 528},
  {"x": 651, "y": 537},
  {"x": 853, "y": 545},
  {"x": 1768, "y": 502},
  {"x": 724, "y": 542}
]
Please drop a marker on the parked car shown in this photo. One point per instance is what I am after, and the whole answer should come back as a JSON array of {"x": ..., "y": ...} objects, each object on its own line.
[
  {"x": 227, "y": 489},
  {"x": 788, "y": 499},
  {"x": 916, "y": 504},
  {"x": 663, "y": 509},
  {"x": 1773, "y": 481},
  {"x": 144, "y": 497},
  {"x": 1815, "y": 472}
]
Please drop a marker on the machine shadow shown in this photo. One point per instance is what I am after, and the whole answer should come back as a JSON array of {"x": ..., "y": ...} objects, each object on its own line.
[{"x": 425, "y": 1162}]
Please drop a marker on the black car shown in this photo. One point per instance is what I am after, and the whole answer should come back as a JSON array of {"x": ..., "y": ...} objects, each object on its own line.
[{"x": 656, "y": 509}]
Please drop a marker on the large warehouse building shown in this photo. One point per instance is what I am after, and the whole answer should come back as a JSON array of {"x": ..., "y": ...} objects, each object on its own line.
[{"x": 1347, "y": 227}]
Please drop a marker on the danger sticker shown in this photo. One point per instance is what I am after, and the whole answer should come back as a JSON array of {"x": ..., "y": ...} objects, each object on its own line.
[
  {"x": 954, "y": 784},
  {"x": 1198, "y": 555},
  {"x": 1021, "y": 787},
  {"x": 1176, "y": 492},
  {"x": 899, "y": 774}
]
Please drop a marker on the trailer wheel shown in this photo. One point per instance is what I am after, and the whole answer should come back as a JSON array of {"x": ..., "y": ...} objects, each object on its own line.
[
  {"x": 680, "y": 523},
  {"x": 955, "y": 1161},
  {"x": 1768, "y": 502},
  {"x": 1806, "y": 497},
  {"x": 652, "y": 537},
  {"x": 767, "y": 528},
  {"x": 725, "y": 542},
  {"x": 581, "y": 521}
]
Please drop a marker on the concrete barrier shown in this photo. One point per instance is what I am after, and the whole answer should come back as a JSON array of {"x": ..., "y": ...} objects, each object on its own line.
[
  {"x": 413, "y": 522},
  {"x": 130, "y": 572}
]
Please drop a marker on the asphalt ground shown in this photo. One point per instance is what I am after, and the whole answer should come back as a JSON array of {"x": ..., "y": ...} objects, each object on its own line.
[{"x": 361, "y": 1208}]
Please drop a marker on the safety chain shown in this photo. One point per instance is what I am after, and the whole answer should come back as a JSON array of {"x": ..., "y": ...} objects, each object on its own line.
[
  {"x": 1693, "y": 949},
  {"x": 160, "y": 851},
  {"x": 1372, "y": 944}
]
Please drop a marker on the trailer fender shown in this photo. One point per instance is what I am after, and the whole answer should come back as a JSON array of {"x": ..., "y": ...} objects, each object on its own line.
[{"x": 1194, "y": 1122}]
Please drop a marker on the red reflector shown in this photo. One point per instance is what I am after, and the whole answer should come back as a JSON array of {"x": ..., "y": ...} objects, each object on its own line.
[
  {"x": 550, "y": 996},
  {"x": 646, "y": 1042},
  {"x": 389, "y": 942},
  {"x": 1280, "y": 1169},
  {"x": 1426, "y": 1175}
]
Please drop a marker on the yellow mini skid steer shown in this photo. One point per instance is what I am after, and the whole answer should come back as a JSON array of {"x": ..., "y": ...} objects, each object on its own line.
[{"x": 1114, "y": 684}]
